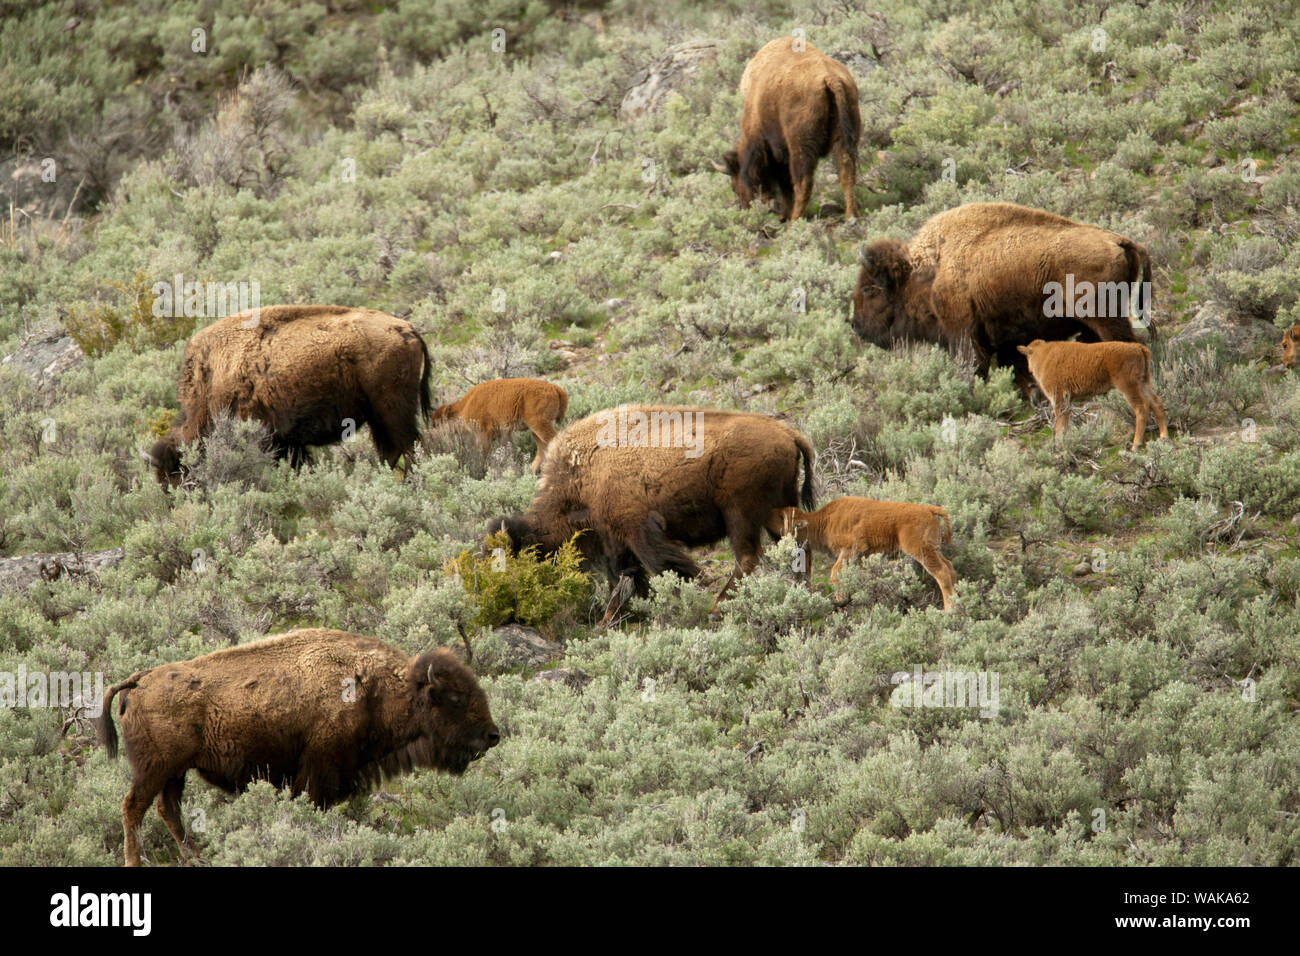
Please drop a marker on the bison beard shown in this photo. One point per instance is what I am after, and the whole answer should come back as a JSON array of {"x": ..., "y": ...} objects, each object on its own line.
[
  {"x": 975, "y": 279},
  {"x": 302, "y": 371},
  {"x": 317, "y": 711}
]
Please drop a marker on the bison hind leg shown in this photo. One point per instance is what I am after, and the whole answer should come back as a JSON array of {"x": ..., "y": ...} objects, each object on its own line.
[{"x": 169, "y": 808}]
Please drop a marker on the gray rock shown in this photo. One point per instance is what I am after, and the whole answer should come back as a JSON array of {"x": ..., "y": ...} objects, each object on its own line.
[
  {"x": 45, "y": 358},
  {"x": 525, "y": 646},
  {"x": 18, "y": 574},
  {"x": 1244, "y": 338},
  {"x": 675, "y": 68}
]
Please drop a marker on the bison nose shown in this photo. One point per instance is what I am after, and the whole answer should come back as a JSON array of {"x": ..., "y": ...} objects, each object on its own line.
[{"x": 493, "y": 738}]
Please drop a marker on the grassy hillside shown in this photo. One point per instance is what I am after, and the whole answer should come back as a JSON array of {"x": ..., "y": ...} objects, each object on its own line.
[{"x": 1140, "y": 610}]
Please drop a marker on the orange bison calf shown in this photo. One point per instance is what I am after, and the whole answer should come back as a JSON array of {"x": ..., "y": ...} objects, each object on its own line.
[
  {"x": 799, "y": 105},
  {"x": 496, "y": 407},
  {"x": 1290, "y": 339},
  {"x": 1069, "y": 370},
  {"x": 849, "y": 527},
  {"x": 316, "y": 710}
]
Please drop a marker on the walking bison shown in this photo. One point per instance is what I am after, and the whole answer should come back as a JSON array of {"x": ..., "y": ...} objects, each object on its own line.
[
  {"x": 319, "y": 711},
  {"x": 799, "y": 105},
  {"x": 993, "y": 276},
  {"x": 849, "y": 527},
  {"x": 639, "y": 485},
  {"x": 308, "y": 373}
]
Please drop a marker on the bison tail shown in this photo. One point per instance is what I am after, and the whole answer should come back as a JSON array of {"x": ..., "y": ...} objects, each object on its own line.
[
  {"x": 1139, "y": 273},
  {"x": 807, "y": 498},
  {"x": 850, "y": 118},
  {"x": 426, "y": 389},
  {"x": 107, "y": 733},
  {"x": 942, "y": 515}
]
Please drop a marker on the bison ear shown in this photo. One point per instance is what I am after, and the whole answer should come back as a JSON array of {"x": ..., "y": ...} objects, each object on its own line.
[{"x": 1022, "y": 349}]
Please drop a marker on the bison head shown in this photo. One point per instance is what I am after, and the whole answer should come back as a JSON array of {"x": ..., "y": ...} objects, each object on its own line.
[
  {"x": 879, "y": 313},
  {"x": 752, "y": 177},
  {"x": 451, "y": 709},
  {"x": 165, "y": 460},
  {"x": 1290, "y": 342}
]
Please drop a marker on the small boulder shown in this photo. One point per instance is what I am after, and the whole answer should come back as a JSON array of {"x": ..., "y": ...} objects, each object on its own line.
[
  {"x": 525, "y": 646},
  {"x": 44, "y": 358},
  {"x": 674, "y": 69},
  {"x": 570, "y": 676}
]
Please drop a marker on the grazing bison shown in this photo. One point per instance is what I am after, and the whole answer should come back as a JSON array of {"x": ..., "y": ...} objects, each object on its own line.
[
  {"x": 494, "y": 408},
  {"x": 641, "y": 484},
  {"x": 319, "y": 711},
  {"x": 307, "y": 373},
  {"x": 1290, "y": 341},
  {"x": 1068, "y": 370},
  {"x": 992, "y": 276},
  {"x": 799, "y": 105},
  {"x": 849, "y": 527}
]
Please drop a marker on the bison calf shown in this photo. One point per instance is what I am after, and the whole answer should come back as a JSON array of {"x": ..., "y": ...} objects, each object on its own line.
[
  {"x": 319, "y": 711},
  {"x": 494, "y": 408},
  {"x": 1290, "y": 339},
  {"x": 849, "y": 527},
  {"x": 1069, "y": 370}
]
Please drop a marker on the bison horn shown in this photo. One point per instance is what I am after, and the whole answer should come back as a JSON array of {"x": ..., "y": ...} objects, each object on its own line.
[
  {"x": 863, "y": 256},
  {"x": 718, "y": 166},
  {"x": 428, "y": 677},
  {"x": 148, "y": 457}
]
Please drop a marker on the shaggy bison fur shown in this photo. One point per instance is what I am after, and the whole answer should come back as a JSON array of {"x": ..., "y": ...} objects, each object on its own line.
[
  {"x": 319, "y": 711},
  {"x": 977, "y": 278},
  {"x": 799, "y": 105},
  {"x": 637, "y": 499},
  {"x": 302, "y": 371}
]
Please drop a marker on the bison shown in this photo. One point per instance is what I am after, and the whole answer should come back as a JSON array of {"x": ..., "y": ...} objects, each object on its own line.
[
  {"x": 799, "y": 105},
  {"x": 1290, "y": 340},
  {"x": 319, "y": 711},
  {"x": 992, "y": 276},
  {"x": 1068, "y": 370},
  {"x": 308, "y": 373},
  {"x": 848, "y": 527},
  {"x": 494, "y": 408},
  {"x": 640, "y": 484}
]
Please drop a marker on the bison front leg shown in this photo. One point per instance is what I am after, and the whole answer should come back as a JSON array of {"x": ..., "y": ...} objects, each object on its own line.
[{"x": 747, "y": 544}]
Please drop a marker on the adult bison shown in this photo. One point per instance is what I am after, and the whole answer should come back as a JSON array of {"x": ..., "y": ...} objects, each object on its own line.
[
  {"x": 319, "y": 711},
  {"x": 641, "y": 484},
  {"x": 308, "y": 373},
  {"x": 799, "y": 105},
  {"x": 993, "y": 276}
]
